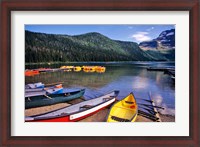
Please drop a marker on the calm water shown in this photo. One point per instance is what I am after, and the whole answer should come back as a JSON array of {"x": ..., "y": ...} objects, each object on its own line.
[{"x": 126, "y": 77}]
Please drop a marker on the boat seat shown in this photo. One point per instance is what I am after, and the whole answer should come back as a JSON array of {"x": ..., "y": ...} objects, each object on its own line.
[
  {"x": 120, "y": 119},
  {"x": 106, "y": 99},
  {"x": 86, "y": 106},
  {"x": 67, "y": 94},
  {"x": 128, "y": 102},
  {"x": 28, "y": 99},
  {"x": 64, "y": 114},
  {"x": 47, "y": 96}
]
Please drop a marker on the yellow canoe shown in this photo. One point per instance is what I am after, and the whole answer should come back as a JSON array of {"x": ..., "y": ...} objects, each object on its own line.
[
  {"x": 66, "y": 67},
  {"x": 77, "y": 68},
  {"x": 100, "y": 69},
  {"x": 62, "y": 67},
  {"x": 124, "y": 111},
  {"x": 89, "y": 68}
]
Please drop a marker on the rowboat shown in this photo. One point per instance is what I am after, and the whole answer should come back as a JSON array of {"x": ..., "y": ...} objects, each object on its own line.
[
  {"x": 124, "y": 110},
  {"x": 77, "y": 68},
  {"x": 50, "y": 99},
  {"x": 31, "y": 72},
  {"x": 45, "y": 70},
  {"x": 39, "y": 87},
  {"x": 100, "y": 69},
  {"x": 77, "y": 111},
  {"x": 89, "y": 68},
  {"x": 46, "y": 91},
  {"x": 66, "y": 67},
  {"x": 34, "y": 85}
]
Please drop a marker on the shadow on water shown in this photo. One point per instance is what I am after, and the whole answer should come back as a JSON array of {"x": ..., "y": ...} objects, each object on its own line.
[{"x": 131, "y": 77}]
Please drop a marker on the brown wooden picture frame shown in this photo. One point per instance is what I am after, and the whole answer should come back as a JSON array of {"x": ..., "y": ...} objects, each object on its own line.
[{"x": 7, "y": 6}]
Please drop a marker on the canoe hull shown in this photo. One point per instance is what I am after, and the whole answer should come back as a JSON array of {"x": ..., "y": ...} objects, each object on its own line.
[
  {"x": 124, "y": 110},
  {"x": 44, "y": 101},
  {"x": 52, "y": 92},
  {"x": 41, "y": 88},
  {"x": 68, "y": 118},
  {"x": 77, "y": 111},
  {"x": 34, "y": 85}
]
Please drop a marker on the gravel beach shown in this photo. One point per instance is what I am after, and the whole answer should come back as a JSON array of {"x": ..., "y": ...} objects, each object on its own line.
[{"x": 97, "y": 117}]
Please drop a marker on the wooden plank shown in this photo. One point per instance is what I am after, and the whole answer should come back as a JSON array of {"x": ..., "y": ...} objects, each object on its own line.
[{"x": 155, "y": 109}]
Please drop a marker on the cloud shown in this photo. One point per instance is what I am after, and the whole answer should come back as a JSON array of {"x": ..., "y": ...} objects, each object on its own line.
[
  {"x": 149, "y": 29},
  {"x": 141, "y": 36}
]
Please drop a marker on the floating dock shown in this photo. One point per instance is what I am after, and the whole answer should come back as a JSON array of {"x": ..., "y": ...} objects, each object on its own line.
[
  {"x": 160, "y": 68},
  {"x": 167, "y": 70}
]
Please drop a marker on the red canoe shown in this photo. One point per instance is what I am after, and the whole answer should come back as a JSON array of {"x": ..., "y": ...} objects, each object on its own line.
[
  {"x": 76, "y": 112},
  {"x": 31, "y": 72}
]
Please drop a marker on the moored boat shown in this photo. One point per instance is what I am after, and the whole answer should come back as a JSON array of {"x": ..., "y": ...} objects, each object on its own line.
[
  {"x": 77, "y": 68},
  {"x": 43, "y": 88},
  {"x": 89, "y": 68},
  {"x": 41, "y": 70},
  {"x": 124, "y": 110},
  {"x": 34, "y": 85},
  {"x": 66, "y": 67},
  {"x": 46, "y": 91},
  {"x": 100, "y": 69},
  {"x": 77, "y": 111},
  {"x": 50, "y": 99},
  {"x": 31, "y": 72}
]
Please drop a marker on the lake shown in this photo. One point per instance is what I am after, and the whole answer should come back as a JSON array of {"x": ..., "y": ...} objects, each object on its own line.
[{"x": 126, "y": 77}]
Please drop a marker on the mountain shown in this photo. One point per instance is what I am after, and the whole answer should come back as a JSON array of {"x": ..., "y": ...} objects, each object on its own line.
[
  {"x": 41, "y": 47},
  {"x": 163, "y": 47},
  {"x": 165, "y": 41}
]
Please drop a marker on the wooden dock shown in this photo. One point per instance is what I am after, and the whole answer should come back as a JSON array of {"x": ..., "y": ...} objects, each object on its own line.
[
  {"x": 170, "y": 72},
  {"x": 160, "y": 68},
  {"x": 156, "y": 112},
  {"x": 148, "y": 109},
  {"x": 167, "y": 70}
]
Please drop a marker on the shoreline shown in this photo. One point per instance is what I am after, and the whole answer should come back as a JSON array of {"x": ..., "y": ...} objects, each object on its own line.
[{"x": 96, "y": 62}]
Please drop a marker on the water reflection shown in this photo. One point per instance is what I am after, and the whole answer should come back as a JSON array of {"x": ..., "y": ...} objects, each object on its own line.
[{"x": 124, "y": 77}]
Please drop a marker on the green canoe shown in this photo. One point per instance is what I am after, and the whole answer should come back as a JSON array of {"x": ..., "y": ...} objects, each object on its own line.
[{"x": 45, "y": 100}]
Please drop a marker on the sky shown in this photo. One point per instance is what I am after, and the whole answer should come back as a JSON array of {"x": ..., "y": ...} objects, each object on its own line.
[{"x": 133, "y": 33}]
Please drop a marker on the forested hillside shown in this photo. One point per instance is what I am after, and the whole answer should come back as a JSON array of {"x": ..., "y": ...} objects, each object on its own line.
[{"x": 40, "y": 47}]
